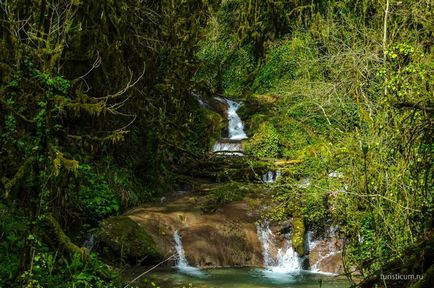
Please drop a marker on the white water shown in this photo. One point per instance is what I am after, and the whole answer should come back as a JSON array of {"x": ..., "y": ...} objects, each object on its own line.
[
  {"x": 236, "y": 126},
  {"x": 270, "y": 177},
  {"x": 90, "y": 242},
  {"x": 181, "y": 261},
  {"x": 336, "y": 174},
  {"x": 231, "y": 146},
  {"x": 278, "y": 261},
  {"x": 228, "y": 148},
  {"x": 311, "y": 243}
]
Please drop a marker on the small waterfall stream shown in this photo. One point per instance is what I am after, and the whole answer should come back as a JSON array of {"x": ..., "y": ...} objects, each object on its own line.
[
  {"x": 236, "y": 126},
  {"x": 281, "y": 262},
  {"x": 277, "y": 260},
  {"x": 231, "y": 146},
  {"x": 271, "y": 177},
  {"x": 181, "y": 261}
]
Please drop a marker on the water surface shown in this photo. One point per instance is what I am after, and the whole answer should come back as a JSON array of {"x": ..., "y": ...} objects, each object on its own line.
[{"x": 245, "y": 277}]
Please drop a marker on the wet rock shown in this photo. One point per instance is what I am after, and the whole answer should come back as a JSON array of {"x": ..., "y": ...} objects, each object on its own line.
[
  {"x": 326, "y": 256},
  {"x": 127, "y": 239},
  {"x": 226, "y": 238}
]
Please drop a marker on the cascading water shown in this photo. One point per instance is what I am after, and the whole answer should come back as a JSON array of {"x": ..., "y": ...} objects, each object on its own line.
[
  {"x": 90, "y": 242},
  {"x": 236, "y": 126},
  {"x": 278, "y": 261},
  {"x": 228, "y": 147},
  {"x": 265, "y": 237},
  {"x": 181, "y": 261},
  {"x": 232, "y": 144},
  {"x": 270, "y": 177}
]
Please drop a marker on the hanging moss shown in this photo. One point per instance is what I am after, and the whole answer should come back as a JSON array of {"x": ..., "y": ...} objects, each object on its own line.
[{"x": 298, "y": 230}]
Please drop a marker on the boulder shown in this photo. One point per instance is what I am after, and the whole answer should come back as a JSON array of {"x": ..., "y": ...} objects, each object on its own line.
[
  {"x": 127, "y": 239},
  {"x": 225, "y": 238}
]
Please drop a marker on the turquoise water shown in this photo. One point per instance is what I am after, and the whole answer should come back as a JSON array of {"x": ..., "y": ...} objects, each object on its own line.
[{"x": 245, "y": 277}]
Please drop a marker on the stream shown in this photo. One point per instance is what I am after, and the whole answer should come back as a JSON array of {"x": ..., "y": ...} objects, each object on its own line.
[
  {"x": 281, "y": 265},
  {"x": 245, "y": 277},
  {"x": 283, "y": 269}
]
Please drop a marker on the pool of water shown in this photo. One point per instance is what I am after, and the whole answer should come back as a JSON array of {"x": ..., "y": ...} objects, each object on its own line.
[{"x": 244, "y": 277}]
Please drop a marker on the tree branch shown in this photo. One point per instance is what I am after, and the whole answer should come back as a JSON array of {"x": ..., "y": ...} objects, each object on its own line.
[
  {"x": 9, "y": 108},
  {"x": 8, "y": 184},
  {"x": 414, "y": 106}
]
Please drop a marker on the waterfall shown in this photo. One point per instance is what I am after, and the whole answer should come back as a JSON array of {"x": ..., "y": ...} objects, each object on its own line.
[
  {"x": 231, "y": 146},
  {"x": 89, "y": 243},
  {"x": 181, "y": 261},
  {"x": 270, "y": 177},
  {"x": 281, "y": 260},
  {"x": 265, "y": 237},
  {"x": 236, "y": 126},
  {"x": 228, "y": 147},
  {"x": 311, "y": 243}
]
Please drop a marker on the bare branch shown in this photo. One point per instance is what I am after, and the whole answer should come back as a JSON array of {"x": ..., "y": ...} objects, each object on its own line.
[{"x": 129, "y": 85}]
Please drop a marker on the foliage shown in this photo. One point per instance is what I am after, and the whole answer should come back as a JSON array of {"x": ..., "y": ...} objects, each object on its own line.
[
  {"x": 265, "y": 142},
  {"x": 335, "y": 84},
  {"x": 280, "y": 66},
  {"x": 336, "y": 94},
  {"x": 226, "y": 65},
  {"x": 73, "y": 87},
  {"x": 237, "y": 73},
  {"x": 12, "y": 228},
  {"x": 95, "y": 195},
  {"x": 49, "y": 268},
  {"x": 224, "y": 194}
]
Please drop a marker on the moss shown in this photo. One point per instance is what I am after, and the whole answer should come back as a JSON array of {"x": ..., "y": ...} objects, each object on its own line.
[
  {"x": 264, "y": 100},
  {"x": 212, "y": 125},
  {"x": 264, "y": 143},
  {"x": 62, "y": 241},
  {"x": 9, "y": 184},
  {"x": 127, "y": 239},
  {"x": 298, "y": 235},
  {"x": 223, "y": 194},
  {"x": 218, "y": 195},
  {"x": 240, "y": 169},
  {"x": 254, "y": 123}
]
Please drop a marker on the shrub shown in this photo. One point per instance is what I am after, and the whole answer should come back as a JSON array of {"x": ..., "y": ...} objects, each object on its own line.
[
  {"x": 265, "y": 143},
  {"x": 95, "y": 196}
]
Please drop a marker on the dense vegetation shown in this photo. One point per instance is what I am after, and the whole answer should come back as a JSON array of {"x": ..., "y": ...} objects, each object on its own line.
[{"x": 98, "y": 114}]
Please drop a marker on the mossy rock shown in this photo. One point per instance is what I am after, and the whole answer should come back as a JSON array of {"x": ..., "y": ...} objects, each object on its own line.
[
  {"x": 298, "y": 235},
  {"x": 254, "y": 123},
  {"x": 127, "y": 239},
  {"x": 260, "y": 103},
  {"x": 265, "y": 142},
  {"x": 213, "y": 125}
]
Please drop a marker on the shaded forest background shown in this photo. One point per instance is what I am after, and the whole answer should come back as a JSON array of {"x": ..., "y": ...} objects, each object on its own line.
[{"x": 98, "y": 114}]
